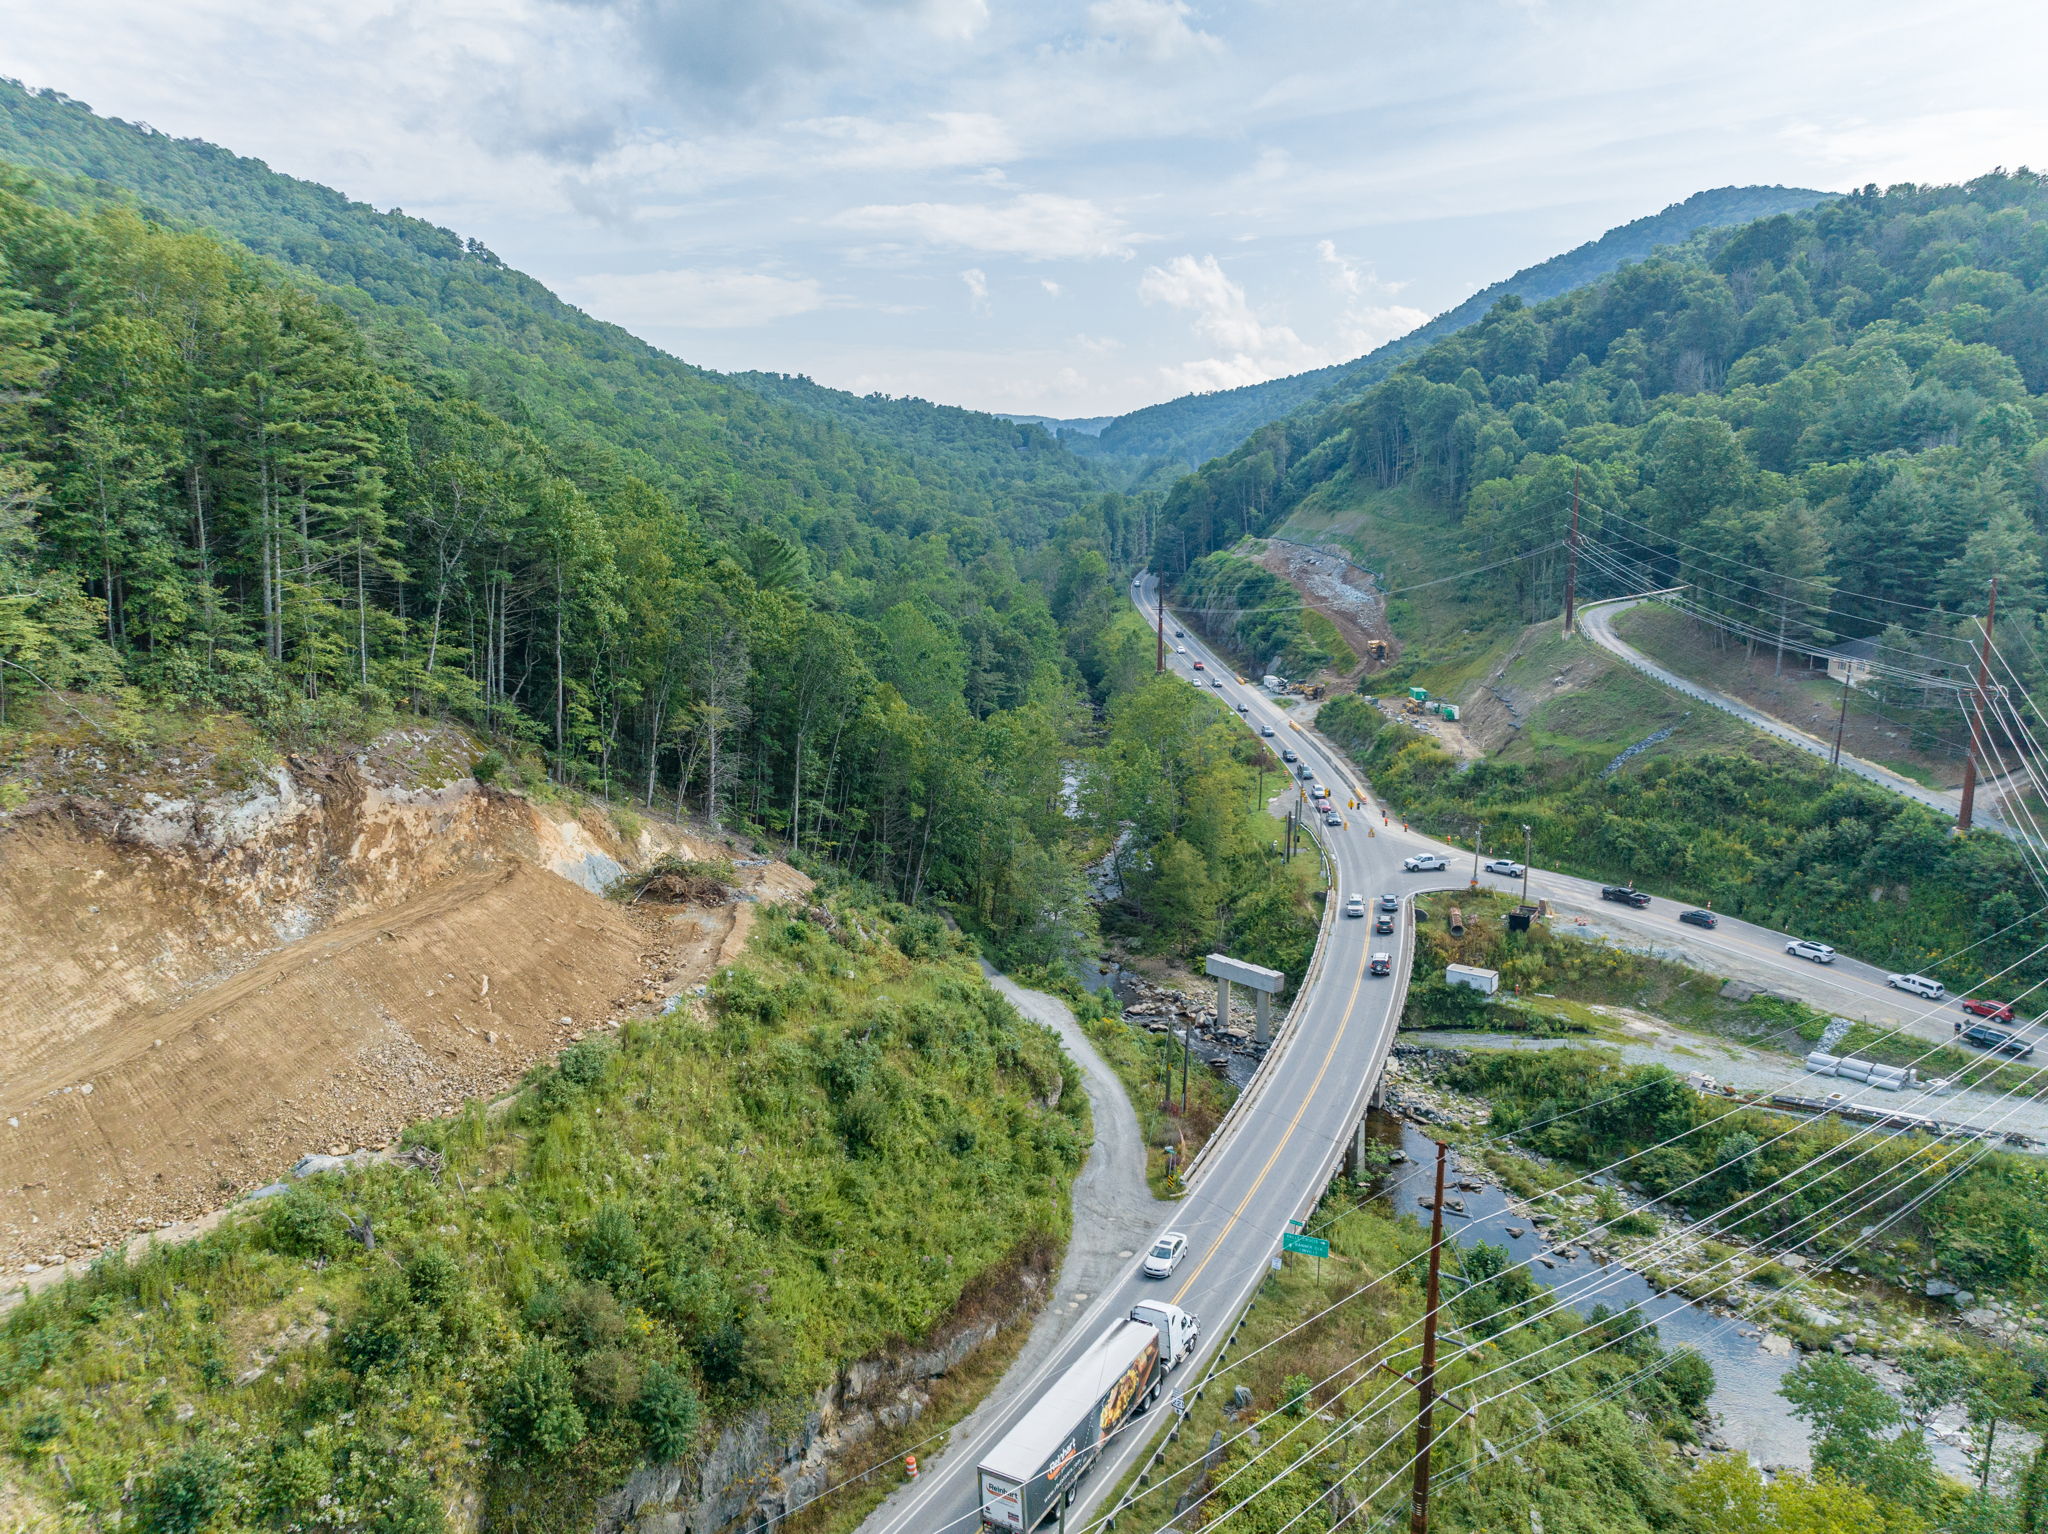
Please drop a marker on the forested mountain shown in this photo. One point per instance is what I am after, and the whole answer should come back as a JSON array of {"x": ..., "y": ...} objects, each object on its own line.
[
  {"x": 1826, "y": 423},
  {"x": 397, "y": 478},
  {"x": 1197, "y": 427},
  {"x": 436, "y": 303}
]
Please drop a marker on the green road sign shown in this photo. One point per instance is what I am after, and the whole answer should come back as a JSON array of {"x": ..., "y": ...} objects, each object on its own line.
[{"x": 1308, "y": 1246}]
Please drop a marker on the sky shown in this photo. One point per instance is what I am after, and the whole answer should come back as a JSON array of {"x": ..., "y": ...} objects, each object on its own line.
[{"x": 1063, "y": 207}]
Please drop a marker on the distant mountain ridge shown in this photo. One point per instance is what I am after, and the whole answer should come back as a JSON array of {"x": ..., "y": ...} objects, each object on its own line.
[{"x": 1198, "y": 427}]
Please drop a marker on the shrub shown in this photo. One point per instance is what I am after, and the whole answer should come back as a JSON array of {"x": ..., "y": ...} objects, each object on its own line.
[
  {"x": 304, "y": 1222},
  {"x": 668, "y": 1411},
  {"x": 533, "y": 1412},
  {"x": 185, "y": 1493},
  {"x": 489, "y": 767},
  {"x": 611, "y": 1249},
  {"x": 1294, "y": 1394}
]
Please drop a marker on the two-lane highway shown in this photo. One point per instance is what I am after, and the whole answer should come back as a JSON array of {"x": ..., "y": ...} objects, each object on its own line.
[
  {"x": 1272, "y": 1167},
  {"x": 1276, "y": 1153}
]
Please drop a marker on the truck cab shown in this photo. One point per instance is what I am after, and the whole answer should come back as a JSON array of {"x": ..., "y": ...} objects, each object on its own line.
[{"x": 1179, "y": 1330}]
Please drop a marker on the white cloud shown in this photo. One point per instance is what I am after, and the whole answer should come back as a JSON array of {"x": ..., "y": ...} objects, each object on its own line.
[
  {"x": 1040, "y": 226},
  {"x": 1363, "y": 326},
  {"x": 1375, "y": 325},
  {"x": 1927, "y": 147},
  {"x": 1050, "y": 286},
  {"x": 710, "y": 300},
  {"x": 1344, "y": 277},
  {"x": 934, "y": 142},
  {"x": 1154, "y": 30},
  {"x": 1220, "y": 309},
  {"x": 977, "y": 287}
]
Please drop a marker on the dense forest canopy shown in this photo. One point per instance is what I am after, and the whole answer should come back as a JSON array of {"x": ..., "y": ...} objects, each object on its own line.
[
  {"x": 877, "y": 632},
  {"x": 1823, "y": 424},
  {"x": 444, "y": 310}
]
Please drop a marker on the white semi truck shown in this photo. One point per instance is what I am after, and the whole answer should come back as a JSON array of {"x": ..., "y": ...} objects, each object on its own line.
[{"x": 1036, "y": 1467}]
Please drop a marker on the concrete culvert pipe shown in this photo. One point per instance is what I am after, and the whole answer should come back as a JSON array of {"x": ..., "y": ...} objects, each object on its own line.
[{"x": 1456, "y": 921}]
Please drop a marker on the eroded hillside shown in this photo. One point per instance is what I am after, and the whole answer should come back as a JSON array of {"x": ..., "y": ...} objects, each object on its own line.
[{"x": 295, "y": 958}]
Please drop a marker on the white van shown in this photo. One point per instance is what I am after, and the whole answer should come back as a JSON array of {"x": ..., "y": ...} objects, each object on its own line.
[{"x": 1919, "y": 985}]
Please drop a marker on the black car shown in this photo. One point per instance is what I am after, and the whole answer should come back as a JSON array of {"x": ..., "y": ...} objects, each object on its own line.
[
  {"x": 1621, "y": 894},
  {"x": 1998, "y": 1042},
  {"x": 1383, "y": 923},
  {"x": 1288, "y": 755},
  {"x": 1699, "y": 918}
]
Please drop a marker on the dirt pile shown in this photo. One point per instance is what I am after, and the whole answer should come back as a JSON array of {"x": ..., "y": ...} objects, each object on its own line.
[{"x": 202, "y": 990}]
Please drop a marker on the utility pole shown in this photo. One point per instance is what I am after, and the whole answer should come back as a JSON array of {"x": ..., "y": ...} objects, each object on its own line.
[
  {"x": 1425, "y": 1387},
  {"x": 1159, "y": 608},
  {"x": 1841, "y": 718},
  {"x": 1571, "y": 562},
  {"x": 1977, "y": 713},
  {"x": 1526, "y": 843},
  {"x": 1187, "y": 1051},
  {"x": 1478, "y": 839}
]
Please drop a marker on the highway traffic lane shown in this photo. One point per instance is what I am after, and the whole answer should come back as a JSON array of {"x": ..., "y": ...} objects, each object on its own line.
[
  {"x": 1275, "y": 1168},
  {"x": 1848, "y": 985},
  {"x": 1234, "y": 1221}
]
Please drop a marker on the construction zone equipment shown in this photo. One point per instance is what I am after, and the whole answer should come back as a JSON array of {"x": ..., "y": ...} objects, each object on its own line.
[
  {"x": 1448, "y": 711},
  {"x": 1419, "y": 694}
]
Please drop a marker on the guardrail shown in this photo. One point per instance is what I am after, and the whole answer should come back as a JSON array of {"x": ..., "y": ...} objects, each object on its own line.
[
  {"x": 1326, "y": 1173},
  {"x": 1283, "y": 1037},
  {"x": 1799, "y": 740}
]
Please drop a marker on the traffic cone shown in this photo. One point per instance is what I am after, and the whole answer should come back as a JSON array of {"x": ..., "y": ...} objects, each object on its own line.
[{"x": 910, "y": 1465}]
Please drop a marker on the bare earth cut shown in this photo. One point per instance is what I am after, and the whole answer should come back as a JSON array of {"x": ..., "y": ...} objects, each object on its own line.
[{"x": 201, "y": 991}]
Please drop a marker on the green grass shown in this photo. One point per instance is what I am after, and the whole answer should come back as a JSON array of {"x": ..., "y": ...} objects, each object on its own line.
[
  {"x": 850, "y": 1148},
  {"x": 1801, "y": 696},
  {"x": 1714, "y": 815},
  {"x": 1317, "y": 1437}
]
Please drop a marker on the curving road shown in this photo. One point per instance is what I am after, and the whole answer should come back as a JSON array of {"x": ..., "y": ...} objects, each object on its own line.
[
  {"x": 1287, "y": 1135},
  {"x": 1596, "y": 619},
  {"x": 1269, "y": 1165}
]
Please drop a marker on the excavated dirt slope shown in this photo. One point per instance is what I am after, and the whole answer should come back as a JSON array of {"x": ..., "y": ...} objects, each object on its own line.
[{"x": 199, "y": 991}]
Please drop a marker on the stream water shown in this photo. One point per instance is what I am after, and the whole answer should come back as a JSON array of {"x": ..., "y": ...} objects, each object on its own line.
[{"x": 1754, "y": 1418}]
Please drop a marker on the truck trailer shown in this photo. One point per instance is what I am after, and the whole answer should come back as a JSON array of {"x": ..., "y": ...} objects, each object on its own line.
[{"x": 1035, "y": 1468}]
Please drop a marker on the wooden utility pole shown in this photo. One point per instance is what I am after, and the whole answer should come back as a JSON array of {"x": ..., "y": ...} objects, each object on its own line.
[
  {"x": 1571, "y": 561},
  {"x": 1841, "y": 718},
  {"x": 1969, "y": 803},
  {"x": 1159, "y": 606},
  {"x": 1425, "y": 1387}
]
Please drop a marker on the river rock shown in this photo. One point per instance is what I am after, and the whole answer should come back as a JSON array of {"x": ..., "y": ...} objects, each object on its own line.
[
  {"x": 1775, "y": 1345},
  {"x": 1935, "y": 1288}
]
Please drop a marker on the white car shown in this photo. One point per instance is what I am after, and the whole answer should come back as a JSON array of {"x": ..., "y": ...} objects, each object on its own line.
[
  {"x": 1355, "y": 906},
  {"x": 1180, "y": 649},
  {"x": 1919, "y": 985},
  {"x": 1165, "y": 1255},
  {"x": 1820, "y": 953},
  {"x": 1506, "y": 866},
  {"x": 1425, "y": 863}
]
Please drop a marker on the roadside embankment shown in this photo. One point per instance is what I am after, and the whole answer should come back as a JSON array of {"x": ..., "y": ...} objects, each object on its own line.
[{"x": 211, "y": 975}]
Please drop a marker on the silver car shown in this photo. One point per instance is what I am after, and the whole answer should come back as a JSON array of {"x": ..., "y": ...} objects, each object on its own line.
[{"x": 1165, "y": 1255}]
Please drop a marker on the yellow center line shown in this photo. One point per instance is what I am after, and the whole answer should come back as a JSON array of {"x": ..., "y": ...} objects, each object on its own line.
[{"x": 1294, "y": 1123}]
